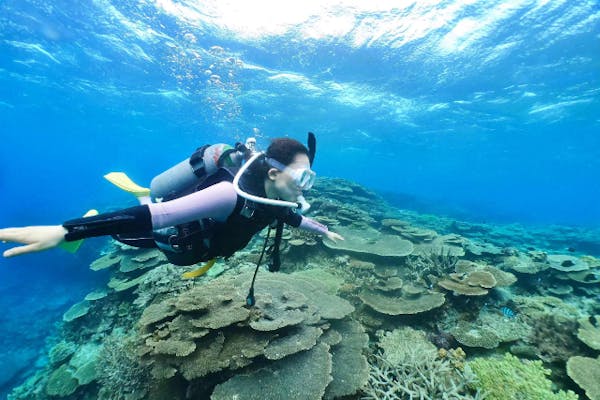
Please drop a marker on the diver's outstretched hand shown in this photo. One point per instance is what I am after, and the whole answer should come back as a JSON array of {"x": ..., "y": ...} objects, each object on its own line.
[
  {"x": 35, "y": 238},
  {"x": 334, "y": 237}
]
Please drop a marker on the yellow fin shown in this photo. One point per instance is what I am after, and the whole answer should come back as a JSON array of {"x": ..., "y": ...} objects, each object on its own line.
[
  {"x": 72, "y": 247},
  {"x": 200, "y": 271},
  {"x": 123, "y": 182}
]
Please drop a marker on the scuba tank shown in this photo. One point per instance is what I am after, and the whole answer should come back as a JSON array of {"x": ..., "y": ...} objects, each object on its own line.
[{"x": 185, "y": 177}]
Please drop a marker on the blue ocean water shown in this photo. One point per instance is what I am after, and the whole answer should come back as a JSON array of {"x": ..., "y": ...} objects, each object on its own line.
[{"x": 482, "y": 111}]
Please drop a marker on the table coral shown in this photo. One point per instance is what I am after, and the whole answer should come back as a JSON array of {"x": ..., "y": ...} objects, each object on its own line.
[{"x": 585, "y": 371}]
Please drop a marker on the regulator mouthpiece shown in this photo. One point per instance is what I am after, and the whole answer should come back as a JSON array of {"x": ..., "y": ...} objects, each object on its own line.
[{"x": 304, "y": 205}]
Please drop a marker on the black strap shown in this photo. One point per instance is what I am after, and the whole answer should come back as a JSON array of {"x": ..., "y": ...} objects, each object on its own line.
[
  {"x": 197, "y": 161},
  {"x": 250, "y": 300},
  {"x": 275, "y": 256}
]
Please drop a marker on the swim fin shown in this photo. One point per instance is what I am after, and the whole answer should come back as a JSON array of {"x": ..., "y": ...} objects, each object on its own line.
[
  {"x": 200, "y": 271},
  {"x": 123, "y": 182},
  {"x": 72, "y": 247}
]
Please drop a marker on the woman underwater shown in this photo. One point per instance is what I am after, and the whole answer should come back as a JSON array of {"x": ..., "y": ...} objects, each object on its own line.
[{"x": 218, "y": 217}]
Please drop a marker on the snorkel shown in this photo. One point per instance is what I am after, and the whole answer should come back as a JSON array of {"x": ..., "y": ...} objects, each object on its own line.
[{"x": 301, "y": 204}]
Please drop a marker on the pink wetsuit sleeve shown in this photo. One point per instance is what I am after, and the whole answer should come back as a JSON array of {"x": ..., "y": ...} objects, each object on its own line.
[
  {"x": 217, "y": 202},
  {"x": 309, "y": 224}
]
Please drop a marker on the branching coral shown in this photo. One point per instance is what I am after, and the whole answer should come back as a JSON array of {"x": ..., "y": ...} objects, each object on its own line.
[
  {"x": 434, "y": 263},
  {"x": 510, "y": 378},
  {"x": 432, "y": 379},
  {"x": 120, "y": 371},
  {"x": 554, "y": 338},
  {"x": 411, "y": 368}
]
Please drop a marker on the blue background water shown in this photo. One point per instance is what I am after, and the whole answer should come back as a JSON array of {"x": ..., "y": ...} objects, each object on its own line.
[{"x": 486, "y": 111}]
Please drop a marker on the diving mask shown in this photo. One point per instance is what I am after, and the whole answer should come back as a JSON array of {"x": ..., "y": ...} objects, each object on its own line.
[{"x": 304, "y": 178}]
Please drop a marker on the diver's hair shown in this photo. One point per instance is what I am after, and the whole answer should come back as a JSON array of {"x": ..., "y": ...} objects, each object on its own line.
[
  {"x": 281, "y": 149},
  {"x": 285, "y": 149}
]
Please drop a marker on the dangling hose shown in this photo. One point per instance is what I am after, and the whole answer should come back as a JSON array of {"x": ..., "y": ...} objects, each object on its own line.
[{"x": 250, "y": 300}]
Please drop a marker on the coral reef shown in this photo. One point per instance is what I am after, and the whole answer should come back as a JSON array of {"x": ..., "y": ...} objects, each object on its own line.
[
  {"x": 585, "y": 371},
  {"x": 553, "y": 339},
  {"x": 121, "y": 373},
  {"x": 511, "y": 378},
  {"x": 150, "y": 334},
  {"x": 409, "y": 367},
  {"x": 371, "y": 242}
]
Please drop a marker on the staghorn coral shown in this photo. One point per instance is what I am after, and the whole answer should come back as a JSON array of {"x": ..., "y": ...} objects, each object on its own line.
[
  {"x": 449, "y": 244},
  {"x": 410, "y": 367},
  {"x": 432, "y": 263},
  {"x": 510, "y": 378}
]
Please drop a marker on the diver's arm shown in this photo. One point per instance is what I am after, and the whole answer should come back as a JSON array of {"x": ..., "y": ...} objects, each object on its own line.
[
  {"x": 310, "y": 225},
  {"x": 217, "y": 201}
]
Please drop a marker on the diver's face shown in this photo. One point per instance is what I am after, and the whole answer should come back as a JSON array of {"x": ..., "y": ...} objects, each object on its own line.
[{"x": 283, "y": 185}]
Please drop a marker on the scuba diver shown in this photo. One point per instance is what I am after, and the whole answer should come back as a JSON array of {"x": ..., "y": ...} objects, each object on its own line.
[{"x": 205, "y": 207}]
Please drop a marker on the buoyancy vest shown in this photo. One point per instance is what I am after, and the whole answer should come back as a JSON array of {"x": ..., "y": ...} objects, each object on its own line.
[{"x": 206, "y": 239}]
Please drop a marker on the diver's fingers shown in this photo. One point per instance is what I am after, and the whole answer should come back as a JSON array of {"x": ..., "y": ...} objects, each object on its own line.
[
  {"x": 10, "y": 234},
  {"x": 17, "y": 251}
]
